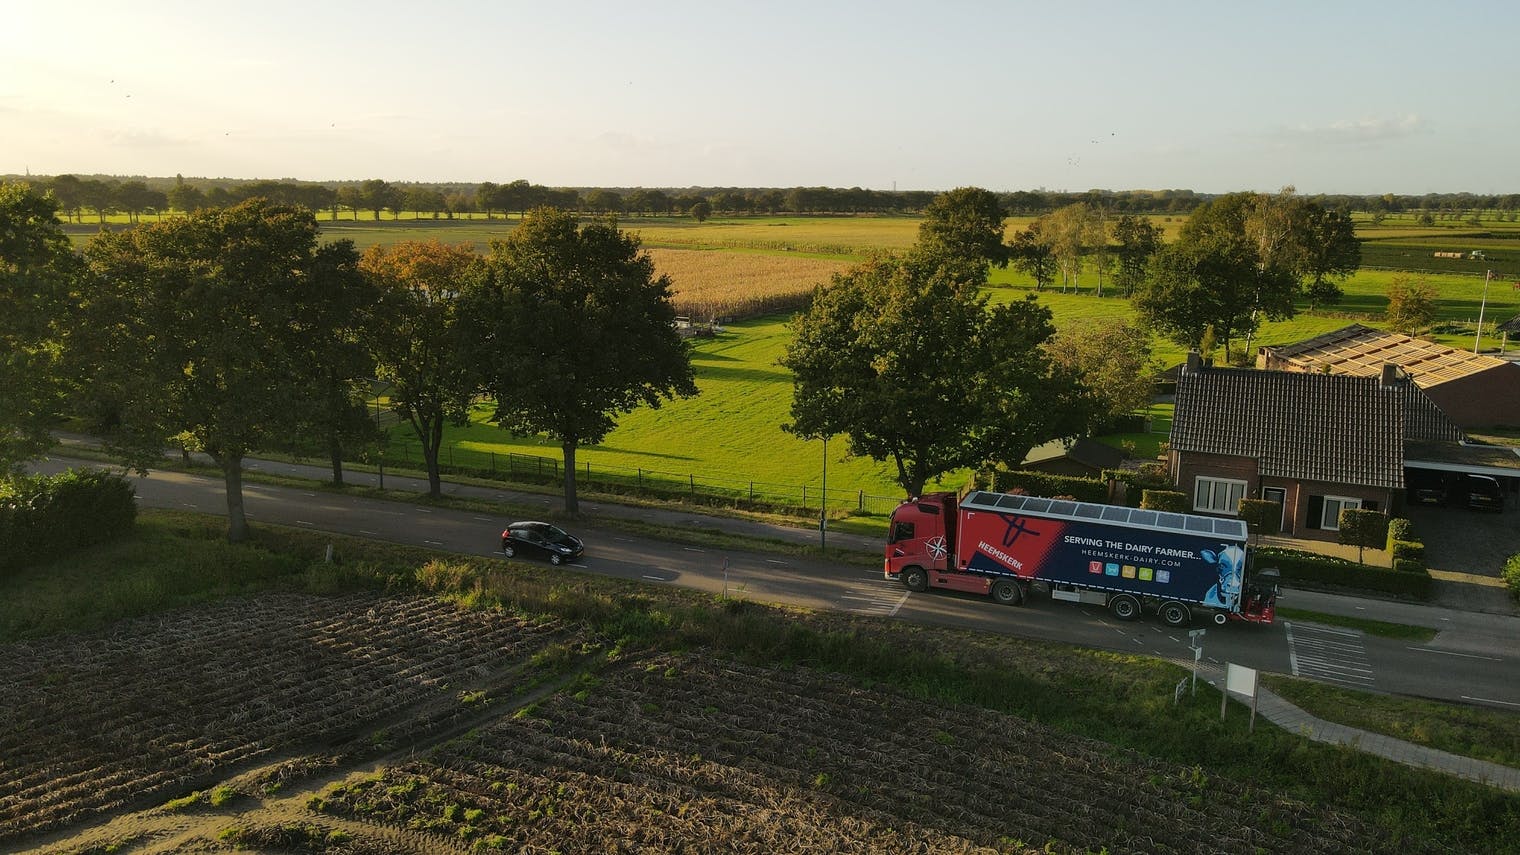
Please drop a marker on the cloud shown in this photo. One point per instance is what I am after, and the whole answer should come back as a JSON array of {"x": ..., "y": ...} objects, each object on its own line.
[{"x": 1358, "y": 131}]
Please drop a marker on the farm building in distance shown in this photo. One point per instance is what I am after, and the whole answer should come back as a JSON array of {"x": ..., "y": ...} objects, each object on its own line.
[{"x": 1474, "y": 390}]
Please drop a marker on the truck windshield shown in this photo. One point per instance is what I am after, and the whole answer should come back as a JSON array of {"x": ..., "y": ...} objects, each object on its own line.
[{"x": 901, "y": 531}]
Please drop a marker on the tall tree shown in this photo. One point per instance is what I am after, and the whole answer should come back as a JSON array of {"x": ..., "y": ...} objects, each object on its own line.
[
  {"x": 1068, "y": 230},
  {"x": 1411, "y": 305},
  {"x": 38, "y": 273},
  {"x": 1201, "y": 281},
  {"x": 417, "y": 341},
  {"x": 1113, "y": 359},
  {"x": 1032, "y": 253},
  {"x": 343, "y": 303},
  {"x": 574, "y": 328},
  {"x": 1330, "y": 251},
  {"x": 197, "y": 324},
  {"x": 1138, "y": 241},
  {"x": 377, "y": 194},
  {"x": 965, "y": 223},
  {"x": 903, "y": 356}
]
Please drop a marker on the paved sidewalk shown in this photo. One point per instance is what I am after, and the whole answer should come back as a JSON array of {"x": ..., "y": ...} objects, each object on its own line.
[{"x": 1276, "y": 709}]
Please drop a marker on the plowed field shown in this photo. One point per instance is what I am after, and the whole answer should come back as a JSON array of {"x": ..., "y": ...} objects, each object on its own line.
[{"x": 405, "y": 724}]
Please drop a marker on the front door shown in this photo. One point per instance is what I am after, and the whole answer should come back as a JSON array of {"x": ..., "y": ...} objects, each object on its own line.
[{"x": 1280, "y": 496}]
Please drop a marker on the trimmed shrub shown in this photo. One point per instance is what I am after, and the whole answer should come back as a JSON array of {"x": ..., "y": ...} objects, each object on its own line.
[
  {"x": 1405, "y": 565},
  {"x": 1363, "y": 529},
  {"x": 42, "y": 518},
  {"x": 1311, "y": 570},
  {"x": 1047, "y": 485},
  {"x": 1261, "y": 516},
  {"x": 1512, "y": 576},
  {"x": 1165, "y": 500},
  {"x": 1136, "y": 481},
  {"x": 1399, "y": 529},
  {"x": 1408, "y": 550}
]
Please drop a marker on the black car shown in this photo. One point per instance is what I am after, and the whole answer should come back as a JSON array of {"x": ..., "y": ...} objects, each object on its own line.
[{"x": 540, "y": 538}]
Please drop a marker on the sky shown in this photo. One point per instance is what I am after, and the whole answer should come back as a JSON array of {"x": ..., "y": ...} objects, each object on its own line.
[{"x": 1328, "y": 96}]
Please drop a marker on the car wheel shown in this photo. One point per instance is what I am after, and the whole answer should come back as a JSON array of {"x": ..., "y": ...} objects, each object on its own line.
[
  {"x": 1176, "y": 614},
  {"x": 1124, "y": 607},
  {"x": 556, "y": 559},
  {"x": 508, "y": 550},
  {"x": 1006, "y": 593},
  {"x": 915, "y": 579}
]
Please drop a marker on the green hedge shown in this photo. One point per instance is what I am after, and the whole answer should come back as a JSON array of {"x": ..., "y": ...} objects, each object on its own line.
[
  {"x": 1137, "y": 481},
  {"x": 1512, "y": 576},
  {"x": 1045, "y": 484},
  {"x": 1407, "y": 550},
  {"x": 1399, "y": 529},
  {"x": 1307, "y": 567},
  {"x": 42, "y": 518},
  {"x": 1165, "y": 500}
]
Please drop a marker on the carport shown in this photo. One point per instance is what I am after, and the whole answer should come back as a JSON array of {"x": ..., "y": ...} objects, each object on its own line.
[{"x": 1438, "y": 463}]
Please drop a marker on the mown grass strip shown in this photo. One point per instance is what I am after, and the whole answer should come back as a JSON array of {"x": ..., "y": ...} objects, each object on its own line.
[
  {"x": 1471, "y": 731},
  {"x": 1379, "y": 628}
]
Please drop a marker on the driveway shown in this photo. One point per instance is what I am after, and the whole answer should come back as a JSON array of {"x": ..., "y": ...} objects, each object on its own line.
[{"x": 1465, "y": 551}]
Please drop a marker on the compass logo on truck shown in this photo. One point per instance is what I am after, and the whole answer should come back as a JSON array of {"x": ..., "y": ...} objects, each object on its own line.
[{"x": 937, "y": 548}]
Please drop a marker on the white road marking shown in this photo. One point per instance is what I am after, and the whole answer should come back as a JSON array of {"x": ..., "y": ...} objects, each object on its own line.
[
  {"x": 1449, "y": 653},
  {"x": 422, "y": 510},
  {"x": 433, "y": 542},
  {"x": 481, "y": 519},
  {"x": 312, "y": 495},
  {"x": 1490, "y": 701},
  {"x": 370, "y": 533},
  {"x": 899, "y": 605},
  {"x": 1332, "y": 655},
  {"x": 774, "y": 561},
  {"x": 693, "y": 549},
  {"x": 302, "y": 522},
  {"x": 623, "y": 539},
  {"x": 656, "y": 578}
]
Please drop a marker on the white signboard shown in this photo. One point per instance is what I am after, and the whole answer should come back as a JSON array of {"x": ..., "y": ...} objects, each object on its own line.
[{"x": 1241, "y": 680}]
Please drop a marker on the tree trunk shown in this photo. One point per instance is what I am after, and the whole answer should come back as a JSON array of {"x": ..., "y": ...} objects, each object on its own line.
[
  {"x": 430, "y": 450},
  {"x": 335, "y": 448},
  {"x": 571, "y": 505},
  {"x": 237, "y": 521}
]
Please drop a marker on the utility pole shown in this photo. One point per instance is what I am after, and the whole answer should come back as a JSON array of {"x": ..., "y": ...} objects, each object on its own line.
[{"x": 1481, "y": 307}]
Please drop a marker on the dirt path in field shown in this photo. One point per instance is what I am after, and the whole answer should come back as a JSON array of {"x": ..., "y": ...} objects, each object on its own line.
[{"x": 284, "y": 819}]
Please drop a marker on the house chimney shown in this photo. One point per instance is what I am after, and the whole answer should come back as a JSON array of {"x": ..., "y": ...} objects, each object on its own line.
[
  {"x": 1194, "y": 363},
  {"x": 1391, "y": 376}
]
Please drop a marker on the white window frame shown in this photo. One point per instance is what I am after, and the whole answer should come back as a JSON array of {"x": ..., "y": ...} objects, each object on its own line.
[
  {"x": 1214, "y": 485},
  {"x": 1342, "y": 503}
]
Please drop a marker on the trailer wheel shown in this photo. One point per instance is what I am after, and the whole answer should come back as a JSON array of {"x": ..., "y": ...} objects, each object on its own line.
[
  {"x": 1220, "y": 618},
  {"x": 1007, "y": 592},
  {"x": 915, "y": 579},
  {"x": 1124, "y": 607},
  {"x": 1175, "y": 614}
]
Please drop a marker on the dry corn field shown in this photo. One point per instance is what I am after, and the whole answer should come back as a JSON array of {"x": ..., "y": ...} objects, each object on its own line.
[
  {"x": 403, "y": 724},
  {"x": 714, "y": 284}
]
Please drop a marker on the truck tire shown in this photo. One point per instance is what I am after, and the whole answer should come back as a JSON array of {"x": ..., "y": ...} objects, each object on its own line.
[
  {"x": 1175, "y": 614},
  {"x": 915, "y": 579},
  {"x": 1124, "y": 607},
  {"x": 1007, "y": 592},
  {"x": 1220, "y": 618}
]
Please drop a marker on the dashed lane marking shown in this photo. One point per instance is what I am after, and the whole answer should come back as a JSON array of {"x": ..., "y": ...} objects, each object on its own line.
[{"x": 1489, "y": 701}]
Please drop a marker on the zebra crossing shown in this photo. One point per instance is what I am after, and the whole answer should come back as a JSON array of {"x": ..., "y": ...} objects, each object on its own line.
[
  {"x": 1332, "y": 655},
  {"x": 879, "y": 597}
]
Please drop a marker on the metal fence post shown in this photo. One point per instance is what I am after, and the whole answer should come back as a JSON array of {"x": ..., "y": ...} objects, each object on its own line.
[
  {"x": 693, "y": 478},
  {"x": 861, "y": 505}
]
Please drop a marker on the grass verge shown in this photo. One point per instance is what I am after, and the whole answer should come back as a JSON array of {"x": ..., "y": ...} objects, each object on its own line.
[
  {"x": 1471, "y": 731},
  {"x": 1121, "y": 699},
  {"x": 1371, "y": 627}
]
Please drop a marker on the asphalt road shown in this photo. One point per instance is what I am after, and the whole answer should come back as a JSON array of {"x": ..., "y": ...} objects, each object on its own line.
[{"x": 1473, "y": 659}]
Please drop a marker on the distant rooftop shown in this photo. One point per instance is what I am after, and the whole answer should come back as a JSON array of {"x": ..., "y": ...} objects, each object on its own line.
[{"x": 1362, "y": 351}]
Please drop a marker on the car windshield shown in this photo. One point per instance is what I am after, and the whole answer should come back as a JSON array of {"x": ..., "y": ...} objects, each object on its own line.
[{"x": 553, "y": 534}]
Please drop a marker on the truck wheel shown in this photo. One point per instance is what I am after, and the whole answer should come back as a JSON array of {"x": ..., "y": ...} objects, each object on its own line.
[
  {"x": 1124, "y": 607},
  {"x": 915, "y": 579},
  {"x": 1220, "y": 618},
  {"x": 1175, "y": 614},
  {"x": 1007, "y": 592}
]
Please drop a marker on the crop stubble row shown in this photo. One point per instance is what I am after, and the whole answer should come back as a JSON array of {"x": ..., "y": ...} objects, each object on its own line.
[
  {"x": 709, "y": 755},
  {"x": 97, "y": 721}
]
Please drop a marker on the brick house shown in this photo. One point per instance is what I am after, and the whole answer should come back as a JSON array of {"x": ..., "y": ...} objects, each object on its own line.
[{"x": 1314, "y": 443}]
